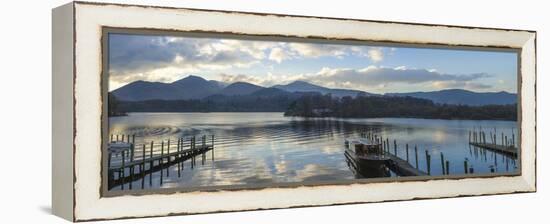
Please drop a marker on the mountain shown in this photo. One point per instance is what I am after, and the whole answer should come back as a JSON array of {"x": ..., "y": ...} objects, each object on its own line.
[
  {"x": 301, "y": 86},
  {"x": 464, "y": 97},
  {"x": 239, "y": 88},
  {"x": 196, "y": 87},
  {"x": 190, "y": 87}
]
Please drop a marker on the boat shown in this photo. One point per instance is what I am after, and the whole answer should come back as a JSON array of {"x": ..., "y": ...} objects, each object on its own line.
[{"x": 367, "y": 158}]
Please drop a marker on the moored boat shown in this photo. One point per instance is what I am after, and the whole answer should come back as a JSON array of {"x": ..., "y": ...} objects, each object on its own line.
[{"x": 367, "y": 157}]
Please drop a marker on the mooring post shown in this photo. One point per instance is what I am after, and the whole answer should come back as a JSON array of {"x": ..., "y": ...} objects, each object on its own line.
[
  {"x": 142, "y": 167},
  {"x": 123, "y": 168},
  {"x": 513, "y": 140},
  {"x": 469, "y": 136},
  {"x": 212, "y": 147},
  {"x": 192, "y": 152},
  {"x": 492, "y": 169},
  {"x": 502, "y": 138},
  {"x": 466, "y": 166},
  {"x": 179, "y": 156},
  {"x": 111, "y": 139},
  {"x": 447, "y": 167},
  {"x": 161, "y": 160},
  {"x": 407, "y": 151},
  {"x": 395, "y": 147},
  {"x": 416, "y": 156},
  {"x": 506, "y": 140},
  {"x": 428, "y": 162},
  {"x": 168, "y": 154},
  {"x": 122, "y": 138},
  {"x": 151, "y": 165},
  {"x": 131, "y": 168},
  {"x": 442, "y": 163}
]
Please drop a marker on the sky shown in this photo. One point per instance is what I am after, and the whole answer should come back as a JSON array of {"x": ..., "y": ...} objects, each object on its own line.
[{"x": 370, "y": 68}]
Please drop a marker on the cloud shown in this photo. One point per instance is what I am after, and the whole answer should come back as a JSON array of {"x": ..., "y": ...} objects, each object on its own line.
[
  {"x": 228, "y": 78},
  {"x": 278, "y": 55},
  {"x": 318, "y": 50},
  {"x": 373, "y": 76},
  {"x": 141, "y": 57},
  {"x": 375, "y": 54}
]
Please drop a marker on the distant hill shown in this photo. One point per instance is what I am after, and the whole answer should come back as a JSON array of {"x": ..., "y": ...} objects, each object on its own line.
[
  {"x": 197, "y": 88},
  {"x": 463, "y": 97},
  {"x": 190, "y": 87},
  {"x": 302, "y": 86},
  {"x": 239, "y": 89}
]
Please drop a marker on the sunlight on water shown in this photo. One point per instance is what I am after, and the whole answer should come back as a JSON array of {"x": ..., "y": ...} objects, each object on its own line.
[{"x": 257, "y": 148}]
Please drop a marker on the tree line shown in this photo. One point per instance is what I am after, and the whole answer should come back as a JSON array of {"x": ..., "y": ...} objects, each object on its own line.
[
  {"x": 317, "y": 105},
  {"x": 400, "y": 107}
]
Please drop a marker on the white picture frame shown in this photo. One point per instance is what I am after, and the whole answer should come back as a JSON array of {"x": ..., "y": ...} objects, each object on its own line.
[{"x": 77, "y": 110}]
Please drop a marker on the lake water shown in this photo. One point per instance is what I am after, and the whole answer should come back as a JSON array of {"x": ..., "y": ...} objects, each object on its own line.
[{"x": 263, "y": 148}]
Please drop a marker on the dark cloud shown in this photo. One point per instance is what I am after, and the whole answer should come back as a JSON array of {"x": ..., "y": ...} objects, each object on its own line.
[
  {"x": 373, "y": 76},
  {"x": 140, "y": 53}
]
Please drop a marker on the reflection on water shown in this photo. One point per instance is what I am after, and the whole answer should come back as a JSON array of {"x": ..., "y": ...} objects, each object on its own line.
[{"x": 257, "y": 148}]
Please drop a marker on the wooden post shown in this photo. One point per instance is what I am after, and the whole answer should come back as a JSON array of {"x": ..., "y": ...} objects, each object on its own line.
[
  {"x": 471, "y": 169},
  {"x": 111, "y": 139},
  {"x": 416, "y": 156},
  {"x": 513, "y": 140},
  {"x": 469, "y": 136},
  {"x": 442, "y": 163},
  {"x": 161, "y": 161},
  {"x": 192, "y": 152},
  {"x": 178, "y": 157},
  {"x": 466, "y": 166},
  {"x": 168, "y": 153},
  {"x": 428, "y": 162},
  {"x": 123, "y": 138},
  {"x": 394, "y": 147},
  {"x": 506, "y": 140},
  {"x": 133, "y": 146},
  {"x": 502, "y": 138},
  {"x": 123, "y": 170},
  {"x": 142, "y": 167},
  {"x": 131, "y": 169},
  {"x": 212, "y": 147},
  {"x": 151, "y": 165},
  {"x": 447, "y": 167},
  {"x": 407, "y": 150}
]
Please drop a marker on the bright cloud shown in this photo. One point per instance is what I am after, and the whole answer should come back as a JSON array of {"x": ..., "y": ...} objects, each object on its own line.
[
  {"x": 376, "y": 55},
  {"x": 278, "y": 55}
]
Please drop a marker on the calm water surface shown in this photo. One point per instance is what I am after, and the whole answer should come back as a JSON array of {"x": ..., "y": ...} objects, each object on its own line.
[{"x": 260, "y": 148}]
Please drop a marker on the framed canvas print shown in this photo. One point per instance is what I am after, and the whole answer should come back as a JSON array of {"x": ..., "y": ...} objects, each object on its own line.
[{"x": 158, "y": 110}]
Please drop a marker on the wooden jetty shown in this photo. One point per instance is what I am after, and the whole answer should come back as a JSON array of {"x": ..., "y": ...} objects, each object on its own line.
[
  {"x": 507, "y": 144},
  {"x": 125, "y": 166},
  {"x": 407, "y": 164},
  {"x": 403, "y": 168}
]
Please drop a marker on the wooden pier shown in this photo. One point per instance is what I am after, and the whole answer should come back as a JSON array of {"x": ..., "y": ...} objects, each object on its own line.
[
  {"x": 140, "y": 163},
  {"x": 407, "y": 164},
  {"x": 402, "y": 167},
  {"x": 506, "y": 145}
]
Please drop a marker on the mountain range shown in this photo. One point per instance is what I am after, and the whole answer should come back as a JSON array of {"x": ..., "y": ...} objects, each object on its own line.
[{"x": 195, "y": 88}]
